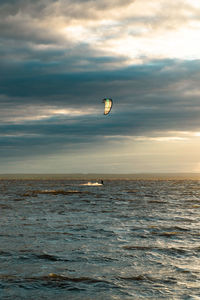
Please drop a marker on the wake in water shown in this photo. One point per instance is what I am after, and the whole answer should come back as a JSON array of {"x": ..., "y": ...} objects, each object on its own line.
[{"x": 92, "y": 183}]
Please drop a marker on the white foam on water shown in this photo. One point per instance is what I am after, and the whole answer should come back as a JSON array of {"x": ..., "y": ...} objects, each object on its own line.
[{"x": 92, "y": 183}]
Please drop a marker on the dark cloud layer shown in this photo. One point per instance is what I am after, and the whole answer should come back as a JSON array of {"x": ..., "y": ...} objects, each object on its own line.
[{"x": 161, "y": 87}]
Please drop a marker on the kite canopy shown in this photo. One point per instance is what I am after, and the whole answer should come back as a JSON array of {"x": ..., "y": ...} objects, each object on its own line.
[{"x": 108, "y": 105}]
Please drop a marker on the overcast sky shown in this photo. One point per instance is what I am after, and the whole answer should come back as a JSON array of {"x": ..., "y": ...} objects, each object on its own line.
[{"x": 60, "y": 58}]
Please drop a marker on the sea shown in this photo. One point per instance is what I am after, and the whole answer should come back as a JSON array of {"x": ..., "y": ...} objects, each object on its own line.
[{"x": 69, "y": 237}]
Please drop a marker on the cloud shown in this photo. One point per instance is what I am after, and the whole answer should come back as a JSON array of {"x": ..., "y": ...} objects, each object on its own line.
[
  {"x": 58, "y": 59},
  {"x": 135, "y": 30}
]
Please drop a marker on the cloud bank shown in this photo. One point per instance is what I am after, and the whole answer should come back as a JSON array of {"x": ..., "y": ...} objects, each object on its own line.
[{"x": 58, "y": 59}]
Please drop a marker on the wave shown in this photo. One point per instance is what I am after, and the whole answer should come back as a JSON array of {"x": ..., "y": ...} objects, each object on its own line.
[
  {"x": 34, "y": 193},
  {"x": 132, "y": 191},
  {"x": 4, "y": 253},
  {"x": 168, "y": 233},
  {"x": 146, "y": 277},
  {"x": 168, "y": 250},
  {"x": 51, "y": 278},
  {"x": 50, "y": 257},
  {"x": 5, "y": 206},
  {"x": 28, "y": 254},
  {"x": 43, "y": 255}
]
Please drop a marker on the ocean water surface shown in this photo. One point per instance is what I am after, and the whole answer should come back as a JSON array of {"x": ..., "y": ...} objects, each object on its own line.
[{"x": 127, "y": 239}]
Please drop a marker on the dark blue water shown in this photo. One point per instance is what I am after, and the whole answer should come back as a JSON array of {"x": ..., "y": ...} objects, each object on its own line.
[{"x": 124, "y": 240}]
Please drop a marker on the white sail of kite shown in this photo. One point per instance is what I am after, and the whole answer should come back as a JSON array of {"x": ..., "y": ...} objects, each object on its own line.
[{"x": 108, "y": 105}]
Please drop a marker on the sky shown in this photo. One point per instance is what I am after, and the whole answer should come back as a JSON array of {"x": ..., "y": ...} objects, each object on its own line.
[{"x": 60, "y": 58}]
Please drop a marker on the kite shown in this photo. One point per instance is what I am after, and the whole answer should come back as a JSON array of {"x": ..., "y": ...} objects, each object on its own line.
[{"x": 108, "y": 105}]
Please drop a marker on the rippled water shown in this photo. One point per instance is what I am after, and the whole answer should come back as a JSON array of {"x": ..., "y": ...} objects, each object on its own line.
[{"x": 124, "y": 240}]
